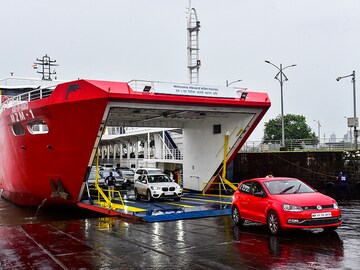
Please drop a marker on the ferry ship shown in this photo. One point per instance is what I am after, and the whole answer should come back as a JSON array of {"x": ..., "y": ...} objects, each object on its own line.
[{"x": 49, "y": 135}]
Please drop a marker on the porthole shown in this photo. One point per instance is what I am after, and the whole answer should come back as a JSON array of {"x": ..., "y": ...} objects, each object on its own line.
[
  {"x": 18, "y": 129},
  {"x": 37, "y": 127}
]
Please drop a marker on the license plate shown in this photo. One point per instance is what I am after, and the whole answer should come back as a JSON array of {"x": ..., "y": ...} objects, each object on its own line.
[
  {"x": 321, "y": 215},
  {"x": 168, "y": 193}
]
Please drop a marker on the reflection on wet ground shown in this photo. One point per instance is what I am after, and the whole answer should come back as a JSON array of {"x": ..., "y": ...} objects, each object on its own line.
[
  {"x": 206, "y": 243},
  {"x": 300, "y": 249}
]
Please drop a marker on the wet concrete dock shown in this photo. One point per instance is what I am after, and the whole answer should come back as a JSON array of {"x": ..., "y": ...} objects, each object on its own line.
[{"x": 204, "y": 243}]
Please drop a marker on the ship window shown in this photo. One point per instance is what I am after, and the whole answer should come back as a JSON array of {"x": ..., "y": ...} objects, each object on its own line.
[
  {"x": 18, "y": 129},
  {"x": 38, "y": 127},
  {"x": 216, "y": 129}
]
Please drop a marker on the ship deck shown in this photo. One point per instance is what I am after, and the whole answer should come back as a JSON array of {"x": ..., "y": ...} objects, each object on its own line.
[{"x": 192, "y": 205}]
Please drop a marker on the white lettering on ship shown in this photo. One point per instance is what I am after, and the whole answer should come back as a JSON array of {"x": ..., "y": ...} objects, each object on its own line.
[
  {"x": 21, "y": 116},
  {"x": 20, "y": 107}
]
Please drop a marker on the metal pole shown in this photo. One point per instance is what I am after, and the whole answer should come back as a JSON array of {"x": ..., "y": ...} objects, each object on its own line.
[
  {"x": 281, "y": 80},
  {"x": 319, "y": 125},
  {"x": 282, "y": 108},
  {"x": 355, "y": 129}
]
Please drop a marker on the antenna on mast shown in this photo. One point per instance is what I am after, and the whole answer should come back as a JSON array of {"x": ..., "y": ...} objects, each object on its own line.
[
  {"x": 46, "y": 64},
  {"x": 193, "y": 28}
]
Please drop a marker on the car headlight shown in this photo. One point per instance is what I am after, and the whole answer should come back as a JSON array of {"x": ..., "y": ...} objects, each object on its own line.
[
  {"x": 292, "y": 208},
  {"x": 155, "y": 188},
  {"x": 335, "y": 205}
]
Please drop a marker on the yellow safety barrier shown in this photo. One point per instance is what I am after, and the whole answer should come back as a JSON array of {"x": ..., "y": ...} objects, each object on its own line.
[
  {"x": 226, "y": 146},
  {"x": 101, "y": 194},
  {"x": 217, "y": 187},
  {"x": 103, "y": 201},
  {"x": 222, "y": 178}
]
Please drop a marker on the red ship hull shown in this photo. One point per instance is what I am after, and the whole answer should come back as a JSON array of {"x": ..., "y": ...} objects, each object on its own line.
[
  {"x": 52, "y": 167},
  {"x": 33, "y": 167}
]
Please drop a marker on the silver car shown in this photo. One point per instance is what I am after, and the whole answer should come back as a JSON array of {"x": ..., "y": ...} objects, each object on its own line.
[
  {"x": 120, "y": 182},
  {"x": 127, "y": 174},
  {"x": 91, "y": 180},
  {"x": 157, "y": 186}
]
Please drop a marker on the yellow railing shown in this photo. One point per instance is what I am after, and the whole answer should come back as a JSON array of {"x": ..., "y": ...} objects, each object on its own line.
[
  {"x": 105, "y": 201},
  {"x": 223, "y": 176},
  {"x": 217, "y": 189}
]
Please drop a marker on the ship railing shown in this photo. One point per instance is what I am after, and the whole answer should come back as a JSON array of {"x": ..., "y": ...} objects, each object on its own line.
[
  {"x": 26, "y": 97},
  {"x": 25, "y": 82},
  {"x": 142, "y": 85},
  {"x": 324, "y": 144}
]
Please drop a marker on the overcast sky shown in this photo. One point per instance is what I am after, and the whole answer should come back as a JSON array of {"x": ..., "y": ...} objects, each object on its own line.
[{"x": 147, "y": 39}]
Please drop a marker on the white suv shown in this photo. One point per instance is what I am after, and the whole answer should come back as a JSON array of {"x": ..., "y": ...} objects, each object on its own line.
[
  {"x": 157, "y": 186},
  {"x": 142, "y": 171}
]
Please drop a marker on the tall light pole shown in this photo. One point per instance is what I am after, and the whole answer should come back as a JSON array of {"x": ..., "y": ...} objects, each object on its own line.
[
  {"x": 228, "y": 84},
  {"x": 355, "y": 120},
  {"x": 282, "y": 78}
]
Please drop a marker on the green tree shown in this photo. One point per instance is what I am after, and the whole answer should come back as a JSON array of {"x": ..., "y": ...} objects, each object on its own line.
[{"x": 295, "y": 128}]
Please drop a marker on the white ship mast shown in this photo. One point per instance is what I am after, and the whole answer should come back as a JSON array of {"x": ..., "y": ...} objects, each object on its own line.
[{"x": 194, "y": 62}]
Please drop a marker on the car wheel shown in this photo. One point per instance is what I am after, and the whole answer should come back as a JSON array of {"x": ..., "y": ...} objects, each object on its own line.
[
  {"x": 137, "y": 196},
  {"x": 236, "y": 217},
  {"x": 273, "y": 223},
  {"x": 148, "y": 196},
  {"x": 330, "y": 229}
]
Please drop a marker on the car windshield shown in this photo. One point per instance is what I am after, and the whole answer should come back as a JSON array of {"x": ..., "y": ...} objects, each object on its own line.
[
  {"x": 159, "y": 179},
  {"x": 93, "y": 168},
  {"x": 107, "y": 173},
  {"x": 287, "y": 186},
  {"x": 127, "y": 172},
  {"x": 92, "y": 176},
  {"x": 154, "y": 171}
]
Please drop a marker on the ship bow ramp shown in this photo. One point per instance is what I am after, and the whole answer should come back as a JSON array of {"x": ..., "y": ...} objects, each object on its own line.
[{"x": 204, "y": 113}]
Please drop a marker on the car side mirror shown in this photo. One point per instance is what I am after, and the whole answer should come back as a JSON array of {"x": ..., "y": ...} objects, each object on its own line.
[{"x": 260, "y": 193}]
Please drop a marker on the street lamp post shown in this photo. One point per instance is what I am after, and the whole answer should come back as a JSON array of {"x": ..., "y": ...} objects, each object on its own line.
[
  {"x": 355, "y": 124},
  {"x": 282, "y": 79},
  {"x": 228, "y": 84}
]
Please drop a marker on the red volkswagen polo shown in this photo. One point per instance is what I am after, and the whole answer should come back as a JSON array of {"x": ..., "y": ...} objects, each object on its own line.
[{"x": 284, "y": 203}]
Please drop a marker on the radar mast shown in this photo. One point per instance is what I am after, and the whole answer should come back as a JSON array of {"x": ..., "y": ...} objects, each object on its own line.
[
  {"x": 193, "y": 28},
  {"x": 46, "y": 63}
]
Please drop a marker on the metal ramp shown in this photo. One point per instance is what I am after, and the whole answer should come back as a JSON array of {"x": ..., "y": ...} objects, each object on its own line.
[{"x": 192, "y": 205}]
